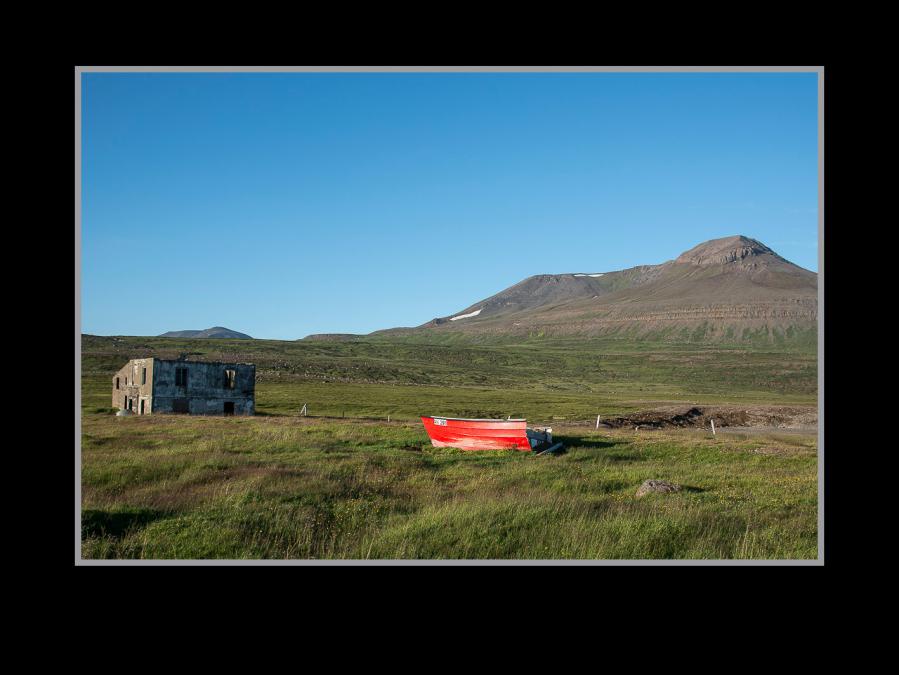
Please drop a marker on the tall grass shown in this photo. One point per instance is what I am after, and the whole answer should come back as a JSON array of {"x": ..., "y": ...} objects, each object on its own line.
[
  {"x": 181, "y": 487},
  {"x": 281, "y": 486}
]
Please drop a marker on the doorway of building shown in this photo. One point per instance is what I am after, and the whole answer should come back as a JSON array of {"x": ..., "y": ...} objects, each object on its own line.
[
  {"x": 142, "y": 406},
  {"x": 229, "y": 407}
]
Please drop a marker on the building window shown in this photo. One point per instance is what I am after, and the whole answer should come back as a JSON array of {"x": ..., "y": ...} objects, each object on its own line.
[
  {"x": 143, "y": 376},
  {"x": 230, "y": 378},
  {"x": 180, "y": 377},
  {"x": 117, "y": 383}
]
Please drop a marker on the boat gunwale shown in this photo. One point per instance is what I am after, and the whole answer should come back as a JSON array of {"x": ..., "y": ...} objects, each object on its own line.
[{"x": 470, "y": 419}]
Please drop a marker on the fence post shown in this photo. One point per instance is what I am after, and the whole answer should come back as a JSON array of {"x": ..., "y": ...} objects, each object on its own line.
[
  {"x": 713, "y": 428},
  {"x": 597, "y": 423},
  {"x": 303, "y": 411}
]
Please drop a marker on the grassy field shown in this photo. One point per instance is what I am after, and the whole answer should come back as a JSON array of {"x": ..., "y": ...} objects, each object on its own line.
[
  {"x": 284, "y": 487},
  {"x": 538, "y": 379},
  {"x": 281, "y": 486}
]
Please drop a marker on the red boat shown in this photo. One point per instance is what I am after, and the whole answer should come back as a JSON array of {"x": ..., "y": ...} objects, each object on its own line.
[{"x": 474, "y": 434}]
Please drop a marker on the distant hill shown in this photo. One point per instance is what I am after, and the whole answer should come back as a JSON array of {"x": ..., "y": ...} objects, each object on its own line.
[
  {"x": 214, "y": 332},
  {"x": 733, "y": 288}
]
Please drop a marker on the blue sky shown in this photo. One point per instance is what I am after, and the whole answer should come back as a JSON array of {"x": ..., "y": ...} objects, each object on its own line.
[{"x": 281, "y": 205}]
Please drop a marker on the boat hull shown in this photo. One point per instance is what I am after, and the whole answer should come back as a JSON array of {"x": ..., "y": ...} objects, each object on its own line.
[{"x": 470, "y": 434}]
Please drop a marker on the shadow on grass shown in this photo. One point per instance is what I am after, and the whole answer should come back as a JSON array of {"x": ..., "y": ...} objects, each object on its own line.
[
  {"x": 98, "y": 523},
  {"x": 613, "y": 452},
  {"x": 586, "y": 443}
]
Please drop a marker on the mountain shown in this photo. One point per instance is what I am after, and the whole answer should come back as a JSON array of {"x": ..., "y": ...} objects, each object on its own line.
[
  {"x": 733, "y": 288},
  {"x": 214, "y": 332}
]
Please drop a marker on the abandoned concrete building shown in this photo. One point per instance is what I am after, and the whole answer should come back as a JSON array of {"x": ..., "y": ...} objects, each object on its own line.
[{"x": 151, "y": 385}]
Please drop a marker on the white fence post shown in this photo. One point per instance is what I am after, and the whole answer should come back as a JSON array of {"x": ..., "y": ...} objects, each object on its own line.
[{"x": 713, "y": 428}]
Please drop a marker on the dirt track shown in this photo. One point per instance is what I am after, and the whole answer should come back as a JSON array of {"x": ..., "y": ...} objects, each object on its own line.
[
  {"x": 743, "y": 418},
  {"x": 806, "y": 430}
]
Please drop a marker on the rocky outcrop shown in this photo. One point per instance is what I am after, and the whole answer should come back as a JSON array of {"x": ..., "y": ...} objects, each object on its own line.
[{"x": 723, "y": 251}]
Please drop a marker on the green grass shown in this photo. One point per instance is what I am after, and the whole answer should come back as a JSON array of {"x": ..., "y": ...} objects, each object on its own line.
[
  {"x": 279, "y": 487},
  {"x": 539, "y": 379}
]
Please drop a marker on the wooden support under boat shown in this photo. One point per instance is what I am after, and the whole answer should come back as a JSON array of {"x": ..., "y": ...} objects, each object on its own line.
[{"x": 550, "y": 450}]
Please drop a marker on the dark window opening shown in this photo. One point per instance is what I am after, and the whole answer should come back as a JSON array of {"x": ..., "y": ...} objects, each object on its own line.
[
  {"x": 142, "y": 406},
  {"x": 180, "y": 377},
  {"x": 230, "y": 378},
  {"x": 117, "y": 383},
  {"x": 143, "y": 376},
  {"x": 229, "y": 407}
]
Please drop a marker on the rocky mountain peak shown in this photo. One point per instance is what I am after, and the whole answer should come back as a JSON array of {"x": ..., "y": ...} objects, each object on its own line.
[{"x": 723, "y": 251}]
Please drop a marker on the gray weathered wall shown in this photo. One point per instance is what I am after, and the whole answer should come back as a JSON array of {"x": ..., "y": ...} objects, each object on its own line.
[{"x": 205, "y": 391}]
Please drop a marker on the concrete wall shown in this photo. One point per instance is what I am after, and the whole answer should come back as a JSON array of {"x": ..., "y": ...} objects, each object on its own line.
[
  {"x": 130, "y": 387},
  {"x": 205, "y": 393}
]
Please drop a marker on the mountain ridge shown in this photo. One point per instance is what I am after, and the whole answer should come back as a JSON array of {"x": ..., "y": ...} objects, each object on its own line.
[
  {"x": 727, "y": 288},
  {"x": 219, "y": 332}
]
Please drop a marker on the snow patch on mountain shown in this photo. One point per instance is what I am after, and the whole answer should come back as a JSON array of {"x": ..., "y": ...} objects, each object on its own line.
[{"x": 465, "y": 316}]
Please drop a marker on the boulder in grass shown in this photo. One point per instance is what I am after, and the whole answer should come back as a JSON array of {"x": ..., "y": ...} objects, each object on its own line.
[
  {"x": 657, "y": 486},
  {"x": 124, "y": 413}
]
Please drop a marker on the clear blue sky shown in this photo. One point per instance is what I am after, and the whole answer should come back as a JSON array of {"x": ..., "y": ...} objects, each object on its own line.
[{"x": 286, "y": 204}]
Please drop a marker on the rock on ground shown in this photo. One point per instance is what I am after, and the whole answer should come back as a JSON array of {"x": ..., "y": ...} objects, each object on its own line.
[{"x": 657, "y": 486}]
